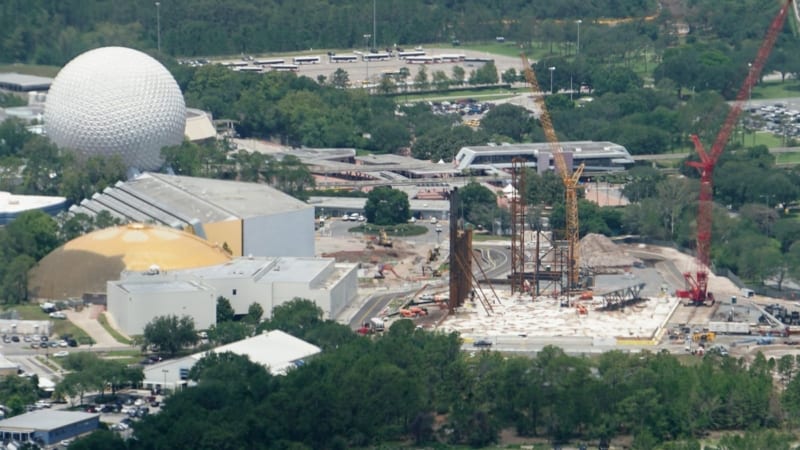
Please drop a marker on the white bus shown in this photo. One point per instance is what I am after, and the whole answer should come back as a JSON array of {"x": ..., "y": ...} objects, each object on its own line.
[
  {"x": 380, "y": 56},
  {"x": 284, "y": 67},
  {"x": 268, "y": 62},
  {"x": 344, "y": 58},
  {"x": 306, "y": 60},
  {"x": 254, "y": 69},
  {"x": 452, "y": 57},
  {"x": 404, "y": 55},
  {"x": 420, "y": 60}
]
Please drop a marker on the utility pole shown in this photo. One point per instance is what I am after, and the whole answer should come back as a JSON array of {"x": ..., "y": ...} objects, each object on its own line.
[{"x": 158, "y": 25}]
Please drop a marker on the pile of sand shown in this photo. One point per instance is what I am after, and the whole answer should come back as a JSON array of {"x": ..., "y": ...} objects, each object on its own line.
[{"x": 599, "y": 252}]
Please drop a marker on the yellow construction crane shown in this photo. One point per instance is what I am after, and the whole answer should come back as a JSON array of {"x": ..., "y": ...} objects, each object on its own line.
[{"x": 570, "y": 180}]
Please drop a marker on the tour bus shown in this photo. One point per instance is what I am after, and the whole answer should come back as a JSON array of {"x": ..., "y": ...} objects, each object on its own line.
[
  {"x": 268, "y": 62},
  {"x": 344, "y": 58},
  {"x": 380, "y": 56},
  {"x": 404, "y": 55},
  {"x": 284, "y": 67},
  {"x": 254, "y": 69},
  {"x": 451, "y": 57},
  {"x": 306, "y": 60},
  {"x": 420, "y": 60}
]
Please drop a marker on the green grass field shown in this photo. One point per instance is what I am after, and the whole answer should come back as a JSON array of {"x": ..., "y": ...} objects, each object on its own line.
[
  {"x": 776, "y": 89},
  {"x": 114, "y": 333}
]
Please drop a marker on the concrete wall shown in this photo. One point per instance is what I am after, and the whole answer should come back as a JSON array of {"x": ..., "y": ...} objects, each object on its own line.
[
  {"x": 285, "y": 234},
  {"x": 345, "y": 290},
  {"x": 133, "y": 310}
]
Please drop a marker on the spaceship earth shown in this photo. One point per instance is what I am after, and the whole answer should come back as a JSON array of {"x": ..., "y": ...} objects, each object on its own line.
[{"x": 116, "y": 101}]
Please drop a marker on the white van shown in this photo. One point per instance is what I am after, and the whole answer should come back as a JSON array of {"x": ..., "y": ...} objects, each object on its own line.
[{"x": 748, "y": 292}]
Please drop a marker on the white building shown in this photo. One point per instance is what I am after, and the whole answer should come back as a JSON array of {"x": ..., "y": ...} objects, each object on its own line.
[
  {"x": 277, "y": 351},
  {"x": 137, "y": 298},
  {"x": 596, "y": 156}
]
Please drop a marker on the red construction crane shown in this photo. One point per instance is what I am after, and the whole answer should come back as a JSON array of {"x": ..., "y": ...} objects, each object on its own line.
[{"x": 697, "y": 282}]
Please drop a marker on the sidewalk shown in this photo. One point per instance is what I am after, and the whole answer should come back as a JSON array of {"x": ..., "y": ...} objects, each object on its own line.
[{"x": 86, "y": 319}]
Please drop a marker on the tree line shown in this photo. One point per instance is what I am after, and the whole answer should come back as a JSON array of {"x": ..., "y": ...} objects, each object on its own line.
[
  {"x": 413, "y": 387},
  {"x": 53, "y": 31}
]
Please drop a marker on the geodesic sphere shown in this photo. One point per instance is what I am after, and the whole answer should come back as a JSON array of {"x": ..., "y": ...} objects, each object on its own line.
[{"x": 116, "y": 101}]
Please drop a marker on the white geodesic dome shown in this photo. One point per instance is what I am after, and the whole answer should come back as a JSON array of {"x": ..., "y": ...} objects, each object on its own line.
[{"x": 116, "y": 101}]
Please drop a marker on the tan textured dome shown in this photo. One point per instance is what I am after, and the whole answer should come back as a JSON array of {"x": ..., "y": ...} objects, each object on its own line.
[{"x": 86, "y": 263}]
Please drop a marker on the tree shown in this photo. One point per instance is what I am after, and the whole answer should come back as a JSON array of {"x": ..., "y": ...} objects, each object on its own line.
[
  {"x": 225, "y": 312},
  {"x": 458, "y": 75},
  {"x": 295, "y": 317},
  {"x": 507, "y": 120},
  {"x": 340, "y": 79},
  {"x": 254, "y": 313},
  {"x": 478, "y": 204},
  {"x": 387, "y": 206},
  {"x": 170, "y": 334},
  {"x": 226, "y": 332},
  {"x": 421, "y": 79}
]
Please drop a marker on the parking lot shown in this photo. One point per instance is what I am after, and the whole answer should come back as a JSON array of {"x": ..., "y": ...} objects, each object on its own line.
[{"x": 779, "y": 117}]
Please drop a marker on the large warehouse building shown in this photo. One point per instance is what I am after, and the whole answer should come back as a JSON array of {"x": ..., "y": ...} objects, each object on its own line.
[
  {"x": 245, "y": 218},
  {"x": 139, "y": 297}
]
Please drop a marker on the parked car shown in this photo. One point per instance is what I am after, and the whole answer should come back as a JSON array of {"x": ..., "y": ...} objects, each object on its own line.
[
  {"x": 61, "y": 354},
  {"x": 15, "y": 338},
  {"x": 57, "y": 315}
]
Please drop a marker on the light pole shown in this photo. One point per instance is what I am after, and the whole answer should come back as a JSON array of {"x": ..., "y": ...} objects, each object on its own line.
[
  {"x": 374, "y": 31},
  {"x": 165, "y": 380},
  {"x": 366, "y": 47},
  {"x": 578, "y": 47},
  {"x": 158, "y": 25},
  {"x": 551, "y": 69},
  {"x": 750, "y": 98}
]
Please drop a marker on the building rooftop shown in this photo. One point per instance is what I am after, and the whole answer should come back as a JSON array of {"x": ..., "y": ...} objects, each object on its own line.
[
  {"x": 180, "y": 201},
  {"x": 143, "y": 285},
  {"x": 45, "y": 419},
  {"x": 267, "y": 270},
  {"x": 11, "y": 203},
  {"x": 20, "y": 82},
  {"x": 275, "y": 350}
]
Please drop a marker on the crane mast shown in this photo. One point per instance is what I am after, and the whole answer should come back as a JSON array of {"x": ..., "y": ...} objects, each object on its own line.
[
  {"x": 697, "y": 282},
  {"x": 570, "y": 180}
]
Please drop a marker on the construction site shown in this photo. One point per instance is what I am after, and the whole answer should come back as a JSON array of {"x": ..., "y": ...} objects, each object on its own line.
[{"x": 592, "y": 293}]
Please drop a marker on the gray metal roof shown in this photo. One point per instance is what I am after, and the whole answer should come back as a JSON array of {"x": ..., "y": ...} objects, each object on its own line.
[
  {"x": 22, "y": 82},
  {"x": 178, "y": 201},
  {"x": 46, "y": 419}
]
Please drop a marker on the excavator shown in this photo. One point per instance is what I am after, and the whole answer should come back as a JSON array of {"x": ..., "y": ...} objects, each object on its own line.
[{"x": 386, "y": 268}]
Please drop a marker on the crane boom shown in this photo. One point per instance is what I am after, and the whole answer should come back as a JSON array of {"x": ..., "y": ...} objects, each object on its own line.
[
  {"x": 698, "y": 282},
  {"x": 570, "y": 180}
]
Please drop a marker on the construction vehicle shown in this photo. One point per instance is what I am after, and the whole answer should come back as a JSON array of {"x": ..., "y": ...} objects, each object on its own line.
[
  {"x": 570, "y": 180},
  {"x": 383, "y": 239},
  {"x": 376, "y": 324},
  {"x": 704, "y": 336},
  {"x": 697, "y": 281},
  {"x": 386, "y": 268}
]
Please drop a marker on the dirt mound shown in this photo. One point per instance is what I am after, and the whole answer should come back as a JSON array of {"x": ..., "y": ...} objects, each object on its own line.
[{"x": 600, "y": 252}]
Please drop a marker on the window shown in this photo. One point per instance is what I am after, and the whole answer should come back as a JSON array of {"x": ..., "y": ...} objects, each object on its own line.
[{"x": 234, "y": 292}]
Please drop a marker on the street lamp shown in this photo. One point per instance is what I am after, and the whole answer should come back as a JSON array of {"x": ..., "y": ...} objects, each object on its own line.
[
  {"x": 366, "y": 47},
  {"x": 551, "y": 69},
  {"x": 165, "y": 380},
  {"x": 158, "y": 25},
  {"x": 578, "y": 47}
]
